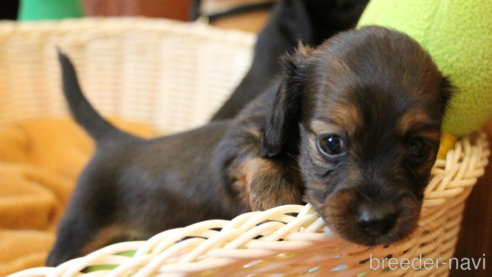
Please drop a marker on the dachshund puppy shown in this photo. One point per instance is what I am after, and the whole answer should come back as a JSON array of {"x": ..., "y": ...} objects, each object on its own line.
[{"x": 352, "y": 127}]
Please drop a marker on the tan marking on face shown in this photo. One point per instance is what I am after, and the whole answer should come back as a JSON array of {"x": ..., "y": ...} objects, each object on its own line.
[
  {"x": 413, "y": 118},
  {"x": 346, "y": 116},
  {"x": 337, "y": 211},
  {"x": 319, "y": 127},
  {"x": 338, "y": 205},
  {"x": 433, "y": 135}
]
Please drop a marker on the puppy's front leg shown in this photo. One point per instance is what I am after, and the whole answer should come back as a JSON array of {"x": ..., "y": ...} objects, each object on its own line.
[{"x": 268, "y": 183}]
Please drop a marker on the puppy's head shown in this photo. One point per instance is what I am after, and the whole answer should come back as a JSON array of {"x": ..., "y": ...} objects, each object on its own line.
[{"x": 363, "y": 111}]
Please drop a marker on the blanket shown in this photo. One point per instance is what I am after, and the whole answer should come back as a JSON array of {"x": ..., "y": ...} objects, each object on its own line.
[{"x": 40, "y": 160}]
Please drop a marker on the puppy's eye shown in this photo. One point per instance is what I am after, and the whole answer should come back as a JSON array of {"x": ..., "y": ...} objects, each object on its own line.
[
  {"x": 418, "y": 148},
  {"x": 331, "y": 145}
]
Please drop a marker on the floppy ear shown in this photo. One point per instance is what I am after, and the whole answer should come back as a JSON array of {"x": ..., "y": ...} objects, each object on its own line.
[
  {"x": 446, "y": 93},
  {"x": 282, "y": 122}
]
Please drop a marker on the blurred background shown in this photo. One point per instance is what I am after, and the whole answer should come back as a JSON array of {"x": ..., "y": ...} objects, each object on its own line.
[{"x": 245, "y": 15}]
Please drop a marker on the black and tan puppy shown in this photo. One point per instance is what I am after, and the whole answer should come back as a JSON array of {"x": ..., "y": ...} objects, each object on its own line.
[{"x": 352, "y": 127}]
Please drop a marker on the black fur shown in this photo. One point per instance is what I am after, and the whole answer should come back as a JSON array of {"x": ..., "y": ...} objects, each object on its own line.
[{"x": 292, "y": 21}]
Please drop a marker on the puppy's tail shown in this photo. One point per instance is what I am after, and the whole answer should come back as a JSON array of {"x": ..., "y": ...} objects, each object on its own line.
[{"x": 93, "y": 123}]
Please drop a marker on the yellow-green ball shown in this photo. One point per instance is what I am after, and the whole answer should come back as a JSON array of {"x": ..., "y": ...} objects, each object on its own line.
[{"x": 458, "y": 35}]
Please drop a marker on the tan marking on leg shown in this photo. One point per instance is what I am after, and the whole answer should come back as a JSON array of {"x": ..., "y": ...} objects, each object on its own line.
[
  {"x": 244, "y": 175},
  {"x": 102, "y": 238},
  {"x": 273, "y": 187}
]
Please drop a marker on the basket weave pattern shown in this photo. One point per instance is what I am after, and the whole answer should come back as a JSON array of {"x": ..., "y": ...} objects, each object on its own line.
[
  {"x": 174, "y": 76},
  {"x": 171, "y": 75}
]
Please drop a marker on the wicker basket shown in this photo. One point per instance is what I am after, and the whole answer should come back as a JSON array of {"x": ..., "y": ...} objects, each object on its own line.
[
  {"x": 171, "y": 75},
  {"x": 174, "y": 76}
]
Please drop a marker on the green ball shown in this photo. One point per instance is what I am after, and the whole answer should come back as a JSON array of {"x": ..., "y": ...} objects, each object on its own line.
[{"x": 458, "y": 35}]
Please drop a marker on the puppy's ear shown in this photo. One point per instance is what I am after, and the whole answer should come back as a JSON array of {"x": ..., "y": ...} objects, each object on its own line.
[
  {"x": 447, "y": 91},
  {"x": 282, "y": 122}
]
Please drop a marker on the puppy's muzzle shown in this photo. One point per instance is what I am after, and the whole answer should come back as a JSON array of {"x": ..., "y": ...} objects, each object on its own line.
[
  {"x": 371, "y": 215},
  {"x": 376, "y": 220}
]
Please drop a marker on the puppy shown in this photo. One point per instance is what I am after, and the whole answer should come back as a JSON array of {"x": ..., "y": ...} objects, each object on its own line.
[{"x": 353, "y": 127}]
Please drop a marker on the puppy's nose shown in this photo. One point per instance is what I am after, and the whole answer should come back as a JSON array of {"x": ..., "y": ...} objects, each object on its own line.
[{"x": 376, "y": 223}]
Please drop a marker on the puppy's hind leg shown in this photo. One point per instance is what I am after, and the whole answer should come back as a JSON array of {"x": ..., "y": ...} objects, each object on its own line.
[
  {"x": 77, "y": 235},
  {"x": 268, "y": 183},
  {"x": 90, "y": 219}
]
